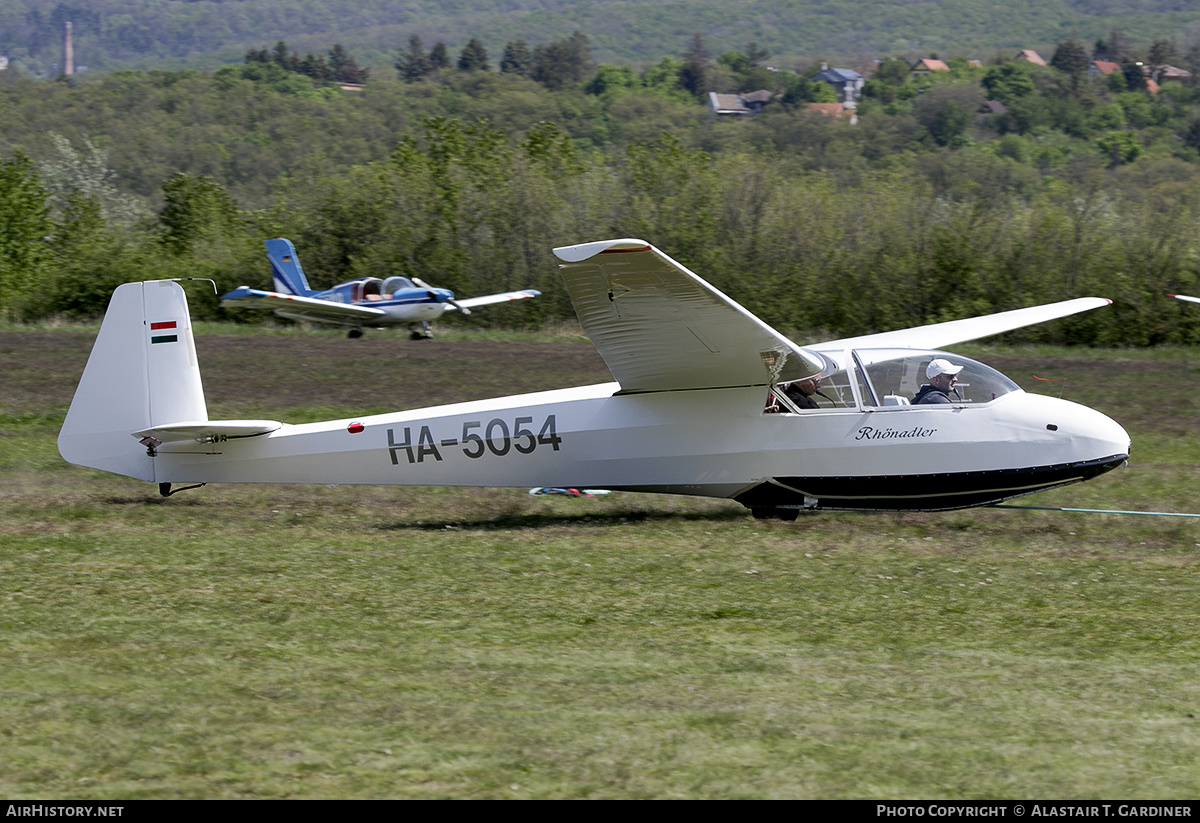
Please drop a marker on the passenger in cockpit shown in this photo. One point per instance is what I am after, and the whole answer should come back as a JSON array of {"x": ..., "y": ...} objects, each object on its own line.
[
  {"x": 800, "y": 393},
  {"x": 942, "y": 375}
]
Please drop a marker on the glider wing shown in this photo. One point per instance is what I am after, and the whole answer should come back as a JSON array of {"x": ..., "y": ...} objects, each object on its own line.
[{"x": 659, "y": 327}]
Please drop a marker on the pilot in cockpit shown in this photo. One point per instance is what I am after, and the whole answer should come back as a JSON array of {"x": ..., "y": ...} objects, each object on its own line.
[
  {"x": 942, "y": 375},
  {"x": 800, "y": 393}
]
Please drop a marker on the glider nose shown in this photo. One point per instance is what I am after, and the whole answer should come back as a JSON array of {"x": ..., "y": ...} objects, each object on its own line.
[
  {"x": 1118, "y": 435},
  {"x": 1061, "y": 433},
  {"x": 1107, "y": 432},
  {"x": 1093, "y": 435}
]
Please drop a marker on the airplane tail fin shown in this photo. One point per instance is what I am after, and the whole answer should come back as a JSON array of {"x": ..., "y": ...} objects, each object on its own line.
[
  {"x": 285, "y": 268},
  {"x": 142, "y": 372}
]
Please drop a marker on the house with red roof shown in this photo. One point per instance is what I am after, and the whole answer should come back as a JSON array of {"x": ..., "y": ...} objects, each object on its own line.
[{"x": 927, "y": 65}]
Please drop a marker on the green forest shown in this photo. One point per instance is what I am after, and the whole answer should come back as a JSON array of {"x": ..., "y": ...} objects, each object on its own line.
[{"x": 464, "y": 166}]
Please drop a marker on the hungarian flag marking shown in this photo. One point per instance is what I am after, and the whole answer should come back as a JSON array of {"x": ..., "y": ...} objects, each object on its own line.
[{"x": 163, "y": 338}]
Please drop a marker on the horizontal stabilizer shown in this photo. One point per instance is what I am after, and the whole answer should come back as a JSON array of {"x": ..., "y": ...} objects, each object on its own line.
[{"x": 207, "y": 430}]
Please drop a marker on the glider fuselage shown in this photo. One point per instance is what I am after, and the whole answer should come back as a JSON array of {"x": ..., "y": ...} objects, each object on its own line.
[{"x": 714, "y": 442}]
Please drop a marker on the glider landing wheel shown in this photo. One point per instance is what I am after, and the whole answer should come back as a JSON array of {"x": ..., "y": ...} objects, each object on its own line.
[{"x": 354, "y": 334}]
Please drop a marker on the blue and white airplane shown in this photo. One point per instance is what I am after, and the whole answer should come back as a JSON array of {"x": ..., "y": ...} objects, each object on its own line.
[{"x": 367, "y": 303}]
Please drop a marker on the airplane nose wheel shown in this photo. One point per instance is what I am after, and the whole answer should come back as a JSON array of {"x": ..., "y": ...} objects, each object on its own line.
[{"x": 354, "y": 334}]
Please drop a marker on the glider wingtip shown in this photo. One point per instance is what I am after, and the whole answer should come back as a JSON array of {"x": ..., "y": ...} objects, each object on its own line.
[{"x": 585, "y": 251}]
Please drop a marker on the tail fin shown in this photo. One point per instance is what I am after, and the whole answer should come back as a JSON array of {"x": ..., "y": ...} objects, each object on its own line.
[
  {"x": 285, "y": 268},
  {"x": 142, "y": 372}
]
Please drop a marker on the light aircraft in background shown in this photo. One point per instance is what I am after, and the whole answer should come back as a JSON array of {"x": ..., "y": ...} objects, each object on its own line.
[
  {"x": 685, "y": 415},
  {"x": 367, "y": 303},
  {"x": 1185, "y": 297}
]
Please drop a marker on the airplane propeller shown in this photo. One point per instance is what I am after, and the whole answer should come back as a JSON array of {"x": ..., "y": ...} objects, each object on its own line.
[{"x": 439, "y": 298}]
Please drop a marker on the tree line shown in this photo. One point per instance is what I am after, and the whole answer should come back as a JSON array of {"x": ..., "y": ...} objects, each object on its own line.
[
  {"x": 340, "y": 66},
  {"x": 927, "y": 208},
  {"x": 465, "y": 206}
]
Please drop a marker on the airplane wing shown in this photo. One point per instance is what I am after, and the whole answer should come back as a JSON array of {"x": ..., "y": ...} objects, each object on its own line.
[
  {"x": 1185, "y": 297},
  {"x": 299, "y": 308},
  {"x": 472, "y": 302},
  {"x": 940, "y": 335},
  {"x": 659, "y": 327}
]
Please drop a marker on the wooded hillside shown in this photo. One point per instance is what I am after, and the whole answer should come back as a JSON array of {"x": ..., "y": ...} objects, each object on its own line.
[
  {"x": 148, "y": 34},
  {"x": 924, "y": 206}
]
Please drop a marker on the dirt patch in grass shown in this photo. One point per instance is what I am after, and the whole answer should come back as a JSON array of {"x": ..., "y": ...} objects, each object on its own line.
[{"x": 39, "y": 371}]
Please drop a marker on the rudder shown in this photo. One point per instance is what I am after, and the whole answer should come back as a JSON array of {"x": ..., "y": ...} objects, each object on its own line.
[
  {"x": 286, "y": 272},
  {"x": 142, "y": 372}
]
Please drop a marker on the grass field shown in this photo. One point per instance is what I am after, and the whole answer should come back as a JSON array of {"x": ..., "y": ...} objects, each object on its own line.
[{"x": 314, "y": 642}]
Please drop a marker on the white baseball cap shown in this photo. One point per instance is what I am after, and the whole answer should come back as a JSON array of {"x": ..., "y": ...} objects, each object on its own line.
[{"x": 941, "y": 366}]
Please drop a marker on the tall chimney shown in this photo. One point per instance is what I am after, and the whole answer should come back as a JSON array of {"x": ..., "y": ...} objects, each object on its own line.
[{"x": 68, "y": 53}]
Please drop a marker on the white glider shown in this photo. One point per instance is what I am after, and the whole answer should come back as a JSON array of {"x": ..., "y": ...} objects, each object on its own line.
[{"x": 694, "y": 373}]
